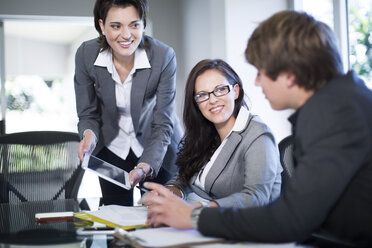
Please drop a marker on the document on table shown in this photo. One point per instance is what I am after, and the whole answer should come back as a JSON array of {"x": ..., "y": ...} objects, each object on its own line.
[
  {"x": 169, "y": 237},
  {"x": 117, "y": 216}
]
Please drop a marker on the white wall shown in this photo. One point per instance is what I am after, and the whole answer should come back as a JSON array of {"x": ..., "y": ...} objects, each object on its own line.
[
  {"x": 166, "y": 25},
  {"x": 242, "y": 17},
  {"x": 31, "y": 57},
  {"x": 203, "y": 30}
]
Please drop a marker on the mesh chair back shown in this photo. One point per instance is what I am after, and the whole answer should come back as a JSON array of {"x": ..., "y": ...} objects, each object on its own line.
[
  {"x": 39, "y": 166},
  {"x": 286, "y": 158}
]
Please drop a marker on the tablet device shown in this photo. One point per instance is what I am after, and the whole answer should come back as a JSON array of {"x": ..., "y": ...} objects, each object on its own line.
[{"x": 106, "y": 171}]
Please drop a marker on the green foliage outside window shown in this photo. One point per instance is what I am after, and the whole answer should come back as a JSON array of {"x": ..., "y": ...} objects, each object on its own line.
[
  {"x": 36, "y": 158},
  {"x": 360, "y": 33}
]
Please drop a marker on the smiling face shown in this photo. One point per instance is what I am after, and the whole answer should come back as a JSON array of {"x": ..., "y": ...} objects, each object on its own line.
[
  {"x": 123, "y": 30},
  {"x": 218, "y": 110}
]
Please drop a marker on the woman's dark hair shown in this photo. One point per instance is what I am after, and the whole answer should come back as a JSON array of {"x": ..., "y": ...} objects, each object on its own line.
[
  {"x": 201, "y": 138},
  {"x": 102, "y": 7}
]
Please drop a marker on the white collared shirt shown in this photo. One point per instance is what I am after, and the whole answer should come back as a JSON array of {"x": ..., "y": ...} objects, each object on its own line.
[
  {"x": 239, "y": 125},
  {"x": 126, "y": 138}
]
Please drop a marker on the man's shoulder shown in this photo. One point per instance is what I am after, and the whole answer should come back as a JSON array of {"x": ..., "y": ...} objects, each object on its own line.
[
  {"x": 341, "y": 104},
  {"x": 346, "y": 85},
  {"x": 339, "y": 92}
]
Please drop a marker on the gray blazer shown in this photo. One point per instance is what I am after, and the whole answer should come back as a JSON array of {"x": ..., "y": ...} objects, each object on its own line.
[
  {"x": 246, "y": 173},
  {"x": 152, "y": 102}
]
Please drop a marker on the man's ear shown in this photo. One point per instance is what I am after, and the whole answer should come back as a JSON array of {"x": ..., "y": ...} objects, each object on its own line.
[{"x": 290, "y": 79}]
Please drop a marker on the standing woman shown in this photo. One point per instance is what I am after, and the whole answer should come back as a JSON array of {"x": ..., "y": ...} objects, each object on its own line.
[
  {"x": 125, "y": 95},
  {"x": 228, "y": 156}
]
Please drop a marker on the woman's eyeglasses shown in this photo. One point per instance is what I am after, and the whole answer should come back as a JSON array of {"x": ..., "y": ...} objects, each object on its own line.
[{"x": 218, "y": 91}]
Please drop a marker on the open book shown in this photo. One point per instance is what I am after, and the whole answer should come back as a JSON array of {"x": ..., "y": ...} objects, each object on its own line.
[
  {"x": 135, "y": 217},
  {"x": 117, "y": 216}
]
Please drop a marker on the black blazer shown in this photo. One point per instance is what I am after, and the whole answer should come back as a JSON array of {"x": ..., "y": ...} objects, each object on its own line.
[
  {"x": 152, "y": 102},
  {"x": 331, "y": 188}
]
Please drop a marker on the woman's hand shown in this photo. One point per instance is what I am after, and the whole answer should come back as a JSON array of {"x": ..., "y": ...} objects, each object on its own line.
[
  {"x": 165, "y": 208},
  {"x": 87, "y": 144},
  {"x": 139, "y": 173}
]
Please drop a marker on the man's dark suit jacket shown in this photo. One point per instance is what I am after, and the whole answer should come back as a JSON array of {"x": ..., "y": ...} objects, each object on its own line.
[
  {"x": 152, "y": 102},
  {"x": 331, "y": 189}
]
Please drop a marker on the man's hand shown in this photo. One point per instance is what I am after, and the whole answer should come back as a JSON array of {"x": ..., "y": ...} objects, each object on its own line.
[{"x": 165, "y": 208}]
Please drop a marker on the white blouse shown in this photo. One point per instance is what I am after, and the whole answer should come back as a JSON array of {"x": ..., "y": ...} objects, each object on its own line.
[
  {"x": 126, "y": 138},
  {"x": 239, "y": 125}
]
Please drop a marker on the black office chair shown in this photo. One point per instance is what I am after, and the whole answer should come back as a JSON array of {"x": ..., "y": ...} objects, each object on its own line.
[
  {"x": 39, "y": 165},
  {"x": 286, "y": 158}
]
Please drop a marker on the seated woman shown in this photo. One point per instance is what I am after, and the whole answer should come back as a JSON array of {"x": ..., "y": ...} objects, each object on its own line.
[{"x": 228, "y": 157}]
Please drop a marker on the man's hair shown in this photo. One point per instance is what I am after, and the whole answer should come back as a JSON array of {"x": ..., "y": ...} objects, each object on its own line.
[
  {"x": 295, "y": 42},
  {"x": 102, "y": 7}
]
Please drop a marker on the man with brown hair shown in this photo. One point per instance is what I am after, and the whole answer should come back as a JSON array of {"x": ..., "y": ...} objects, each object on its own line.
[{"x": 299, "y": 67}]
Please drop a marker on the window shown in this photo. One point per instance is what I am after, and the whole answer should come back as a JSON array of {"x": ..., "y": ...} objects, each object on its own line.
[
  {"x": 39, "y": 59},
  {"x": 321, "y": 10},
  {"x": 352, "y": 23},
  {"x": 360, "y": 37}
]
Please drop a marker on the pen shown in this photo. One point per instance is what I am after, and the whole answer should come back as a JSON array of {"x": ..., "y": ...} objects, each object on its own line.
[{"x": 143, "y": 188}]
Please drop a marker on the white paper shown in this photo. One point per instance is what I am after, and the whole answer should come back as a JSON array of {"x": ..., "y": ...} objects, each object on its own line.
[
  {"x": 168, "y": 236},
  {"x": 121, "y": 215}
]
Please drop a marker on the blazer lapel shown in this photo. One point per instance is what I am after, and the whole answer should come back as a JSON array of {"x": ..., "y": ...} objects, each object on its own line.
[
  {"x": 139, "y": 85},
  {"x": 107, "y": 90},
  {"x": 224, "y": 156},
  {"x": 222, "y": 159},
  {"x": 219, "y": 164},
  {"x": 198, "y": 190}
]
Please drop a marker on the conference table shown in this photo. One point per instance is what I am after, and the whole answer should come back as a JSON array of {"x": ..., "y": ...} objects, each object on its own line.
[{"x": 19, "y": 227}]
